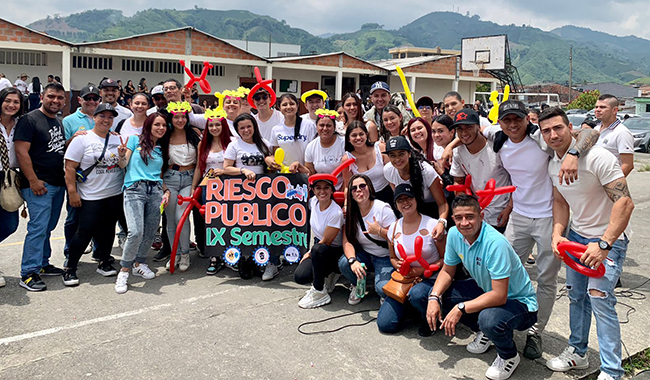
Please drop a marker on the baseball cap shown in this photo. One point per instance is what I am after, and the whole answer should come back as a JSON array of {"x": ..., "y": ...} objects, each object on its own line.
[
  {"x": 403, "y": 189},
  {"x": 424, "y": 101},
  {"x": 88, "y": 90},
  {"x": 397, "y": 143},
  {"x": 105, "y": 107},
  {"x": 512, "y": 107},
  {"x": 108, "y": 82},
  {"x": 466, "y": 116},
  {"x": 157, "y": 90},
  {"x": 379, "y": 86}
]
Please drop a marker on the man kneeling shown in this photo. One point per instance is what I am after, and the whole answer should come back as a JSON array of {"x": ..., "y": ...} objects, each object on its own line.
[{"x": 496, "y": 300}]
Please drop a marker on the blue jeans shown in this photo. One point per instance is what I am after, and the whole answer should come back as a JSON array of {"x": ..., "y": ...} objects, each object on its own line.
[
  {"x": 380, "y": 265},
  {"x": 142, "y": 210},
  {"x": 497, "y": 323},
  {"x": 8, "y": 223},
  {"x": 392, "y": 313},
  {"x": 44, "y": 211},
  {"x": 178, "y": 183},
  {"x": 582, "y": 304}
]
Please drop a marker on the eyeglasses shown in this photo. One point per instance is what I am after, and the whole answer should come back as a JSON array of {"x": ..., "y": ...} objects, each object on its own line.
[
  {"x": 459, "y": 218},
  {"x": 170, "y": 88},
  {"x": 423, "y": 108},
  {"x": 259, "y": 97},
  {"x": 360, "y": 187},
  {"x": 92, "y": 98}
]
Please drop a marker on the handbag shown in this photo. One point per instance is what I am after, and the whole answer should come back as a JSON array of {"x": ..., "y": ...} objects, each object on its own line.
[
  {"x": 399, "y": 286},
  {"x": 10, "y": 197}
]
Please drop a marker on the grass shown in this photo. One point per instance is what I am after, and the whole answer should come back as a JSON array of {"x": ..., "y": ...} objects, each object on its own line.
[
  {"x": 632, "y": 366},
  {"x": 644, "y": 168}
]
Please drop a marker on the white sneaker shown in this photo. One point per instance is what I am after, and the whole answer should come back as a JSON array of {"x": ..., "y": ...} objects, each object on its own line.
[
  {"x": 353, "y": 299},
  {"x": 604, "y": 376},
  {"x": 480, "y": 344},
  {"x": 315, "y": 298},
  {"x": 121, "y": 285},
  {"x": 270, "y": 272},
  {"x": 184, "y": 263},
  {"x": 501, "y": 368},
  {"x": 567, "y": 360},
  {"x": 143, "y": 271},
  {"x": 330, "y": 281},
  {"x": 89, "y": 248},
  {"x": 2, "y": 280},
  {"x": 176, "y": 262}
]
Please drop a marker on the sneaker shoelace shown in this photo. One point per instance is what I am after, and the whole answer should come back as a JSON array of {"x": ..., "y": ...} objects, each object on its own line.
[{"x": 567, "y": 355}]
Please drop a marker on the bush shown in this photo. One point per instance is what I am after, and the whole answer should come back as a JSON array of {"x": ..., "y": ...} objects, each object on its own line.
[{"x": 586, "y": 101}]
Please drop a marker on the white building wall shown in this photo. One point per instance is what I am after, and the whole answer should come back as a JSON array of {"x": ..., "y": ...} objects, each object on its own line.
[
  {"x": 262, "y": 48},
  {"x": 53, "y": 67},
  {"x": 300, "y": 76}
]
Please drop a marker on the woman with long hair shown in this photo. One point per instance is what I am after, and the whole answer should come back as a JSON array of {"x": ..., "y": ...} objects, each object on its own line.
[
  {"x": 292, "y": 135},
  {"x": 133, "y": 125},
  {"x": 143, "y": 193},
  {"x": 368, "y": 160},
  {"x": 325, "y": 152},
  {"x": 34, "y": 90},
  {"x": 352, "y": 108},
  {"x": 365, "y": 239},
  {"x": 129, "y": 90},
  {"x": 407, "y": 166},
  {"x": 404, "y": 232},
  {"x": 11, "y": 108},
  {"x": 420, "y": 137},
  {"x": 392, "y": 123},
  {"x": 142, "y": 86},
  {"x": 179, "y": 146}
]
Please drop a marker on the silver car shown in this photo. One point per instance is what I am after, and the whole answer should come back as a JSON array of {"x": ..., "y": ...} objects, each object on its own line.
[{"x": 640, "y": 129}]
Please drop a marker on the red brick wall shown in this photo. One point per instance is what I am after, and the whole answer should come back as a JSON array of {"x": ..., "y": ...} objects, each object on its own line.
[
  {"x": 208, "y": 46},
  {"x": 353, "y": 63},
  {"x": 333, "y": 61},
  {"x": 167, "y": 43},
  {"x": 444, "y": 66},
  {"x": 15, "y": 33}
]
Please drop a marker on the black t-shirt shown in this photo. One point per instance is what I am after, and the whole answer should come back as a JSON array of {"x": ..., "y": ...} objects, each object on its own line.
[{"x": 47, "y": 146}]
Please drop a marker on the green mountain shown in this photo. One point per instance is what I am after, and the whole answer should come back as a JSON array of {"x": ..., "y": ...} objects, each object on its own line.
[{"x": 539, "y": 56}]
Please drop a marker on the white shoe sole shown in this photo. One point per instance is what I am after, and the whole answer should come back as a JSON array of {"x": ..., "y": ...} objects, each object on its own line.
[
  {"x": 584, "y": 366},
  {"x": 322, "y": 302}
]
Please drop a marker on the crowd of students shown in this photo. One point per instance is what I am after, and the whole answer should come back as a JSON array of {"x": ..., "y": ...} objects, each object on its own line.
[{"x": 124, "y": 166}]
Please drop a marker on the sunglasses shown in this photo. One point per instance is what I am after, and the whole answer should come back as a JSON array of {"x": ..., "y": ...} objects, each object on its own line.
[
  {"x": 91, "y": 98},
  {"x": 259, "y": 97},
  {"x": 424, "y": 108},
  {"x": 360, "y": 187}
]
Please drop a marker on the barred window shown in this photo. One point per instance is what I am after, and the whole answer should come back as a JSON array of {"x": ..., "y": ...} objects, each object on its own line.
[
  {"x": 25, "y": 58},
  {"x": 92, "y": 63}
]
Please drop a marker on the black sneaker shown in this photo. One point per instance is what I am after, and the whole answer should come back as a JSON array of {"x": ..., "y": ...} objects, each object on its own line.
[
  {"x": 425, "y": 330},
  {"x": 110, "y": 259},
  {"x": 33, "y": 283},
  {"x": 162, "y": 255},
  {"x": 51, "y": 270},
  {"x": 70, "y": 278},
  {"x": 106, "y": 269},
  {"x": 533, "y": 349},
  {"x": 215, "y": 266}
]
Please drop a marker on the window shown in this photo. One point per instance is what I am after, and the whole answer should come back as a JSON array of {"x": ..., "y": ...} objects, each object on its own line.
[
  {"x": 150, "y": 66},
  {"x": 25, "y": 58},
  {"x": 92, "y": 63},
  {"x": 216, "y": 71}
]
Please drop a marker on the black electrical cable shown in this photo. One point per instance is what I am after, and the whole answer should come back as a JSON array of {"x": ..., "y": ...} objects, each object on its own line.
[{"x": 336, "y": 317}]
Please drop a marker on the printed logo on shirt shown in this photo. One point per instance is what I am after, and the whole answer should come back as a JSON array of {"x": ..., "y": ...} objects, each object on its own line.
[
  {"x": 478, "y": 261},
  {"x": 57, "y": 142},
  {"x": 256, "y": 159},
  {"x": 290, "y": 138}
]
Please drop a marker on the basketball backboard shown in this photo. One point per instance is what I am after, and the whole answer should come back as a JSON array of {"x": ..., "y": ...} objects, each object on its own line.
[{"x": 484, "y": 53}]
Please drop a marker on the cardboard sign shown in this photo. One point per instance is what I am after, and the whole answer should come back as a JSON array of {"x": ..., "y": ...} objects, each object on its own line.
[{"x": 256, "y": 218}]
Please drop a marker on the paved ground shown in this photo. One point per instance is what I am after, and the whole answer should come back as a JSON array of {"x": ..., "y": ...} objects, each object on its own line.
[{"x": 189, "y": 325}]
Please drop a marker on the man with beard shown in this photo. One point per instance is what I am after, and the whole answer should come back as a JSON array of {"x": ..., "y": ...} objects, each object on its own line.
[{"x": 110, "y": 92}]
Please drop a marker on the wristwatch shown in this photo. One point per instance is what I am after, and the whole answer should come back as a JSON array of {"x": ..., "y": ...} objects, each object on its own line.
[
  {"x": 605, "y": 246},
  {"x": 352, "y": 260},
  {"x": 574, "y": 152},
  {"x": 443, "y": 221},
  {"x": 461, "y": 307}
]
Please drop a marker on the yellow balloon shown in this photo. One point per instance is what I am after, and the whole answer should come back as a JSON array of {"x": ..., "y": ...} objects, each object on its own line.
[
  {"x": 407, "y": 91},
  {"x": 279, "y": 158},
  {"x": 494, "y": 98}
]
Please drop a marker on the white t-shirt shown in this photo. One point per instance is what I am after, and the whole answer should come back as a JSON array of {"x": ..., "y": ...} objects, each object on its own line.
[
  {"x": 385, "y": 216},
  {"x": 586, "y": 197},
  {"x": 429, "y": 250},
  {"x": 129, "y": 130},
  {"x": 266, "y": 127},
  {"x": 30, "y": 88},
  {"x": 231, "y": 125},
  {"x": 106, "y": 178},
  {"x": 294, "y": 149},
  {"x": 123, "y": 113},
  {"x": 375, "y": 173},
  {"x": 246, "y": 155},
  {"x": 4, "y": 83},
  {"x": 483, "y": 166},
  {"x": 21, "y": 85},
  {"x": 437, "y": 152},
  {"x": 617, "y": 139},
  {"x": 214, "y": 161},
  {"x": 484, "y": 121},
  {"x": 428, "y": 176},
  {"x": 527, "y": 165},
  {"x": 325, "y": 160},
  {"x": 320, "y": 220}
]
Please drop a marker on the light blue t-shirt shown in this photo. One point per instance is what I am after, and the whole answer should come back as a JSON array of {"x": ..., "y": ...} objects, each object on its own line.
[
  {"x": 137, "y": 170},
  {"x": 78, "y": 121},
  {"x": 491, "y": 257}
]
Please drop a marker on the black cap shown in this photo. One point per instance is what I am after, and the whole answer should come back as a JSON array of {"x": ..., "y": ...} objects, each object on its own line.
[
  {"x": 466, "y": 116},
  {"x": 397, "y": 143},
  {"x": 512, "y": 107},
  {"x": 105, "y": 107},
  {"x": 108, "y": 82},
  {"x": 424, "y": 101},
  {"x": 88, "y": 90},
  {"x": 403, "y": 189}
]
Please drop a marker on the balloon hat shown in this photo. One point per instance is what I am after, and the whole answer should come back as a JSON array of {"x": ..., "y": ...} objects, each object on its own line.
[
  {"x": 407, "y": 91},
  {"x": 494, "y": 98},
  {"x": 339, "y": 196},
  {"x": 486, "y": 195},
  {"x": 576, "y": 250},
  {"x": 429, "y": 269},
  {"x": 205, "y": 85},
  {"x": 215, "y": 114},
  {"x": 178, "y": 107},
  {"x": 261, "y": 84},
  {"x": 236, "y": 94},
  {"x": 322, "y": 113},
  {"x": 309, "y": 93}
]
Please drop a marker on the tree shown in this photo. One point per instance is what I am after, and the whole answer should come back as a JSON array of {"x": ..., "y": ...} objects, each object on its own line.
[{"x": 586, "y": 101}]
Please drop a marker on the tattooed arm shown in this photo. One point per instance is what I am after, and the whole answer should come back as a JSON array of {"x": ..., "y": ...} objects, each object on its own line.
[
  {"x": 619, "y": 193},
  {"x": 584, "y": 141}
]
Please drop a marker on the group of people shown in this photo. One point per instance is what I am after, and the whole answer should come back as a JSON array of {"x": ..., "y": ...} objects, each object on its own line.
[{"x": 125, "y": 166}]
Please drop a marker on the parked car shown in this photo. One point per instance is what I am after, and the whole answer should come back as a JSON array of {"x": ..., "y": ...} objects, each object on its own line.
[
  {"x": 577, "y": 119},
  {"x": 640, "y": 129}
]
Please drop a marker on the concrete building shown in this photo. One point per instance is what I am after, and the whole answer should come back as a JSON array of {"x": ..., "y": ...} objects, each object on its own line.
[{"x": 266, "y": 49}]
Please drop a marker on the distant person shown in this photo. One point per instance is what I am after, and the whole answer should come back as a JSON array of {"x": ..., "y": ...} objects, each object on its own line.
[
  {"x": 4, "y": 82},
  {"x": 159, "y": 100},
  {"x": 533, "y": 115},
  {"x": 109, "y": 90},
  {"x": 425, "y": 107},
  {"x": 381, "y": 97},
  {"x": 142, "y": 86},
  {"x": 195, "y": 94},
  {"x": 129, "y": 90},
  {"x": 21, "y": 84},
  {"x": 34, "y": 90},
  {"x": 614, "y": 135},
  {"x": 480, "y": 108},
  {"x": 50, "y": 79},
  {"x": 454, "y": 102},
  {"x": 589, "y": 124}
]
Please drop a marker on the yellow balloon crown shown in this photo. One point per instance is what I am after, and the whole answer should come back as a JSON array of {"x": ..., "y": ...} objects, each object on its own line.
[
  {"x": 321, "y": 113},
  {"x": 309, "y": 93},
  {"x": 179, "y": 107},
  {"x": 214, "y": 114}
]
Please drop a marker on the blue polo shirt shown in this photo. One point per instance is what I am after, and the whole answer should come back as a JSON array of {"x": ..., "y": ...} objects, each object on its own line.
[
  {"x": 491, "y": 257},
  {"x": 78, "y": 121}
]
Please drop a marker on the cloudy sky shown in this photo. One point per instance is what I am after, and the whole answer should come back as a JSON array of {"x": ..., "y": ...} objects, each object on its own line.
[{"x": 618, "y": 17}]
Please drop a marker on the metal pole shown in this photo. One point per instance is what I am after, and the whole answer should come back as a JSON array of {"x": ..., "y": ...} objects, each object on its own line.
[{"x": 570, "y": 71}]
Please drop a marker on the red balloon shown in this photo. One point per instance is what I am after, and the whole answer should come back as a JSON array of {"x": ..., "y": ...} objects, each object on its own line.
[
  {"x": 486, "y": 196},
  {"x": 203, "y": 83},
  {"x": 429, "y": 269},
  {"x": 576, "y": 250},
  {"x": 466, "y": 187},
  {"x": 193, "y": 200},
  {"x": 265, "y": 84}
]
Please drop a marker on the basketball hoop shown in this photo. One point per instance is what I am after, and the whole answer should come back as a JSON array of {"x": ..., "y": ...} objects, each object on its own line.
[{"x": 477, "y": 67}]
